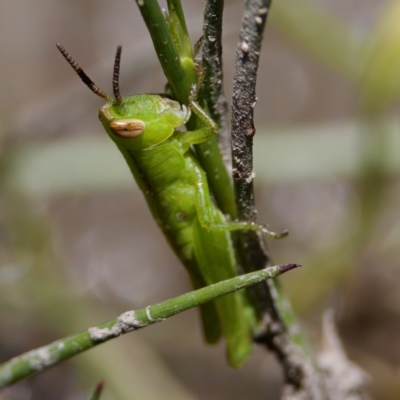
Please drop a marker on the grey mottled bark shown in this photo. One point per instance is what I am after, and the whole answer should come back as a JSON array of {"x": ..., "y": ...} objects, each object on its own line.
[
  {"x": 278, "y": 320},
  {"x": 213, "y": 80}
]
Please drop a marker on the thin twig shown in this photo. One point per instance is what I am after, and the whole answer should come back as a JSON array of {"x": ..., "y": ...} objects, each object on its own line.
[
  {"x": 243, "y": 103},
  {"x": 44, "y": 357},
  {"x": 280, "y": 333},
  {"x": 254, "y": 254},
  {"x": 213, "y": 80}
]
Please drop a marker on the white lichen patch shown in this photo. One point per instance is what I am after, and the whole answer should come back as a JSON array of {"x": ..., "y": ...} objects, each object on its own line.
[
  {"x": 101, "y": 334},
  {"x": 129, "y": 322},
  {"x": 42, "y": 358},
  {"x": 271, "y": 271},
  {"x": 126, "y": 322},
  {"x": 244, "y": 47},
  {"x": 250, "y": 177}
]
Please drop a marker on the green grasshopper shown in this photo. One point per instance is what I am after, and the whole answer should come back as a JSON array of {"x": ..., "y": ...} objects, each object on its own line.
[{"x": 144, "y": 128}]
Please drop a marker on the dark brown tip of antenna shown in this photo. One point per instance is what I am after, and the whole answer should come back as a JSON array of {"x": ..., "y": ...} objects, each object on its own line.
[
  {"x": 115, "y": 83},
  {"x": 86, "y": 80}
]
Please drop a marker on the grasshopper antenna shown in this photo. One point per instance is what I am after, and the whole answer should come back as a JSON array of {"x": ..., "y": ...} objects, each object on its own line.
[
  {"x": 86, "y": 80},
  {"x": 115, "y": 82}
]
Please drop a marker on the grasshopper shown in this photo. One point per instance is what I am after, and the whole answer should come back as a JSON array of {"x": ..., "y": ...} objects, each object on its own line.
[{"x": 161, "y": 159}]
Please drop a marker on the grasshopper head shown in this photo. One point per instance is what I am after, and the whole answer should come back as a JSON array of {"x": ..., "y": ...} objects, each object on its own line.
[
  {"x": 143, "y": 120},
  {"x": 140, "y": 121}
]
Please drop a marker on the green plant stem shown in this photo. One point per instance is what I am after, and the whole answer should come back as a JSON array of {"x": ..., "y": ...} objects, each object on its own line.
[
  {"x": 165, "y": 48},
  {"x": 44, "y": 357},
  {"x": 170, "y": 40}
]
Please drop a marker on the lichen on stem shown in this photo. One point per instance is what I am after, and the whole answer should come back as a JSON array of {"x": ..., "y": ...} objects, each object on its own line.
[
  {"x": 279, "y": 331},
  {"x": 44, "y": 357}
]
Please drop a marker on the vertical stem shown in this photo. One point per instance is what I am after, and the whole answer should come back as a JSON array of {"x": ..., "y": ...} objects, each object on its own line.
[
  {"x": 252, "y": 250},
  {"x": 281, "y": 333},
  {"x": 243, "y": 103},
  {"x": 218, "y": 168},
  {"x": 165, "y": 48},
  {"x": 179, "y": 70},
  {"x": 213, "y": 80}
]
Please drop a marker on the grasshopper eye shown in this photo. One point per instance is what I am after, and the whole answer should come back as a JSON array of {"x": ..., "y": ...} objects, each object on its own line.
[{"x": 128, "y": 128}]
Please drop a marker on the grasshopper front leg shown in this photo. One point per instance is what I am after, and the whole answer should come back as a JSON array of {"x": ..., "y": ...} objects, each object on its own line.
[{"x": 201, "y": 135}]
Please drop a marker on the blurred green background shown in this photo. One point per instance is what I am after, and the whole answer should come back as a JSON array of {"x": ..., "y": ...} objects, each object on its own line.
[{"x": 77, "y": 242}]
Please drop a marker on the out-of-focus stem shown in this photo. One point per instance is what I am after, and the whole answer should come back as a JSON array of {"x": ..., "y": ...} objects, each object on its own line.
[{"x": 44, "y": 357}]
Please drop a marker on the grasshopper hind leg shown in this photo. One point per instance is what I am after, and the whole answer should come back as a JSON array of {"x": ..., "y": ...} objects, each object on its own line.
[{"x": 210, "y": 218}]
